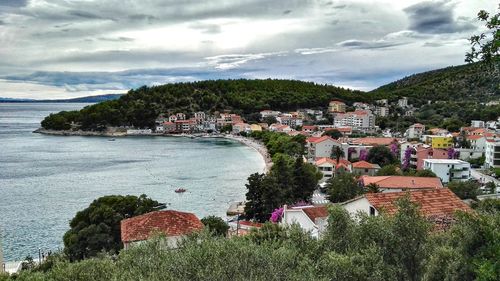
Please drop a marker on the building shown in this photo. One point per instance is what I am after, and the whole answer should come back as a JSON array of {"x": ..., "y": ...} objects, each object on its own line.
[
  {"x": 381, "y": 111},
  {"x": 438, "y": 205},
  {"x": 173, "y": 224},
  {"x": 492, "y": 154},
  {"x": 374, "y": 141},
  {"x": 403, "y": 102},
  {"x": 359, "y": 119},
  {"x": 477, "y": 124},
  {"x": 439, "y": 141},
  {"x": 269, "y": 113},
  {"x": 328, "y": 166},
  {"x": 477, "y": 142},
  {"x": 421, "y": 153},
  {"x": 309, "y": 129},
  {"x": 241, "y": 127},
  {"x": 401, "y": 183},
  {"x": 415, "y": 131},
  {"x": 180, "y": 116},
  {"x": 448, "y": 169},
  {"x": 318, "y": 147},
  {"x": 365, "y": 168},
  {"x": 336, "y": 106},
  {"x": 255, "y": 128},
  {"x": 242, "y": 227},
  {"x": 313, "y": 219}
]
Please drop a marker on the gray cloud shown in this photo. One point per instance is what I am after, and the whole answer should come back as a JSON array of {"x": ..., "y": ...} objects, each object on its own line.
[
  {"x": 362, "y": 44},
  {"x": 436, "y": 17}
]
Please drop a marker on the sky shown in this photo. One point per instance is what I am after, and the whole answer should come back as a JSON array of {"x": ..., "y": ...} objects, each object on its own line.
[{"x": 71, "y": 48}]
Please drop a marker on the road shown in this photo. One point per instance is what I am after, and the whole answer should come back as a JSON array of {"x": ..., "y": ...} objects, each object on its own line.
[{"x": 482, "y": 178}]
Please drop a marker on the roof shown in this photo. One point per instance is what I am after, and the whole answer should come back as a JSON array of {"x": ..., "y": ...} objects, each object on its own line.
[
  {"x": 445, "y": 161},
  {"x": 397, "y": 182},
  {"x": 374, "y": 141},
  {"x": 319, "y": 139},
  {"x": 313, "y": 212},
  {"x": 308, "y": 127},
  {"x": 418, "y": 125},
  {"x": 251, "y": 224},
  {"x": 337, "y": 102},
  {"x": 474, "y": 137},
  {"x": 322, "y": 160},
  {"x": 437, "y": 202},
  {"x": 365, "y": 165},
  {"x": 169, "y": 222}
]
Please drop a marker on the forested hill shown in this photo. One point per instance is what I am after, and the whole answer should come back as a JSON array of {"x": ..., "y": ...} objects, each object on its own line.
[
  {"x": 141, "y": 106},
  {"x": 469, "y": 82}
]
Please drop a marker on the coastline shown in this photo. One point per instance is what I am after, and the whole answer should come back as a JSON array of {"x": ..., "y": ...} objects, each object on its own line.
[{"x": 257, "y": 146}]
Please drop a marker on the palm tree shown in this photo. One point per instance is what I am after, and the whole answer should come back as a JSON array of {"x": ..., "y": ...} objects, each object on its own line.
[{"x": 337, "y": 154}]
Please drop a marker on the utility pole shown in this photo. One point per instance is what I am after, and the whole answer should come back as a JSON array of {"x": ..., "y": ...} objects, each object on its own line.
[{"x": 2, "y": 264}]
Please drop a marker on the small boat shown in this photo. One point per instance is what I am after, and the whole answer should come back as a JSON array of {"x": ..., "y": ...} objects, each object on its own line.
[
  {"x": 111, "y": 140},
  {"x": 180, "y": 190}
]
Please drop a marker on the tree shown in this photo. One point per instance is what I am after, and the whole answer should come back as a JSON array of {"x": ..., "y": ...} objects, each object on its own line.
[
  {"x": 334, "y": 133},
  {"x": 389, "y": 170},
  {"x": 486, "y": 46},
  {"x": 465, "y": 189},
  {"x": 305, "y": 179},
  {"x": 343, "y": 187},
  {"x": 380, "y": 155},
  {"x": 215, "y": 225},
  {"x": 337, "y": 154},
  {"x": 254, "y": 207},
  {"x": 490, "y": 187},
  {"x": 372, "y": 188},
  {"x": 269, "y": 120},
  {"x": 97, "y": 227},
  {"x": 425, "y": 173}
]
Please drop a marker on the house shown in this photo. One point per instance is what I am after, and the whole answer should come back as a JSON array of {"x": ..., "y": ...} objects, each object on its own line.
[
  {"x": 415, "y": 131},
  {"x": 477, "y": 142},
  {"x": 359, "y": 119},
  {"x": 241, "y": 127},
  {"x": 269, "y": 113},
  {"x": 172, "y": 118},
  {"x": 403, "y": 102},
  {"x": 422, "y": 153},
  {"x": 374, "y": 141},
  {"x": 448, "y": 169},
  {"x": 381, "y": 111},
  {"x": 477, "y": 124},
  {"x": 438, "y": 205},
  {"x": 276, "y": 127},
  {"x": 328, "y": 166},
  {"x": 318, "y": 147},
  {"x": 180, "y": 116},
  {"x": 255, "y": 128},
  {"x": 492, "y": 154},
  {"x": 309, "y": 129},
  {"x": 242, "y": 227},
  {"x": 173, "y": 224},
  {"x": 184, "y": 126},
  {"x": 313, "y": 219},
  {"x": 439, "y": 141},
  {"x": 336, "y": 106},
  {"x": 365, "y": 168},
  {"x": 401, "y": 183}
]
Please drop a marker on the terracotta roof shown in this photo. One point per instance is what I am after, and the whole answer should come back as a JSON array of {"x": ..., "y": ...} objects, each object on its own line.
[
  {"x": 336, "y": 101},
  {"x": 438, "y": 202},
  {"x": 309, "y": 127},
  {"x": 169, "y": 222},
  {"x": 251, "y": 224},
  {"x": 479, "y": 131},
  {"x": 323, "y": 160},
  {"x": 316, "y": 212},
  {"x": 319, "y": 139},
  {"x": 364, "y": 165},
  {"x": 374, "y": 141},
  {"x": 397, "y": 182},
  {"x": 474, "y": 137}
]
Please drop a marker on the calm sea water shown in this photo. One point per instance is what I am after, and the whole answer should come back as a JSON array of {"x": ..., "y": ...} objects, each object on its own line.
[{"x": 45, "y": 180}]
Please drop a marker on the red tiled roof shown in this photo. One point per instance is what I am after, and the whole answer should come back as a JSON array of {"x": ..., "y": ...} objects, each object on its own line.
[
  {"x": 374, "y": 141},
  {"x": 474, "y": 137},
  {"x": 397, "y": 182},
  {"x": 323, "y": 160},
  {"x": 316, "y": 212},
  {"x": 169, "y": 222},
  {"x": 319, "y": 139},
  {"x": 437, "y": 202},
  {"x": 309, "y": 127},
  {"x": 363, "y": 165},
  {"x": 336, "y": 101},
  {"x": 251, "y": 224}
]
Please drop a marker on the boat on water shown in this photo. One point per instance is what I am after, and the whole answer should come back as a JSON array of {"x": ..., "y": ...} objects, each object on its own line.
[
  {"x": 111, "y": 139},
  {"x": 180, "y": 190}
]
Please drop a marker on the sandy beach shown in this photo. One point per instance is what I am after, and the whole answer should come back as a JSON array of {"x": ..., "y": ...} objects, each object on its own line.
[{"x": 258, "y": 146}]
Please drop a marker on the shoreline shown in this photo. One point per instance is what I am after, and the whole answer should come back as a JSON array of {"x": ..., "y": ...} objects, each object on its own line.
[{"x": 257, "y": 146}]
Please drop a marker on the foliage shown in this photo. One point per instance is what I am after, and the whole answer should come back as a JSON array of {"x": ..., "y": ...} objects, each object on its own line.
[
  {"x": 337, "y": 153},
  {"x": 281, "y": 143},
  {"x": 343, "y": 187},
  {"x": 399, "y": 247},
  {"x": 489, "y": 205},
  {"x": 97, "y": 227},
  {"x": 465, "y": 189},
  {"x": 334, "y": 134},
  {"x": 289, "y": 181},
  {"x": 425, "y": 173},
  {"x": 372, "y": 188},
  {"x": 140, "y": 107},
  {"x": 215, "y": 225},
  {"x": 380, "y": 155},
  {"x": 389, "y": 170},
  {"x": 486, "y": 46}
]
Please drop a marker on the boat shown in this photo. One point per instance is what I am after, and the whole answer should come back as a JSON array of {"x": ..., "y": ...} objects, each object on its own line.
[
  {"x": 180, "y": 190},
  {"x": 111, "y": 140}
]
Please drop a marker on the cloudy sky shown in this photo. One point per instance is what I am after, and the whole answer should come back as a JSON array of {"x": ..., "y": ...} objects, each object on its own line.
[{"x": 71, "y": 48}]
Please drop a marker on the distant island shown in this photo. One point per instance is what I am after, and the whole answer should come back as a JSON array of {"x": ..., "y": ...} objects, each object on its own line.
[{"x": 87, "y": 99}]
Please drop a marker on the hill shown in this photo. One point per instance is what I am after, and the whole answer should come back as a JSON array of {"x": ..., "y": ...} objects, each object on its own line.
[
  {"x": 141, "y": 106},
  {"x": 88, "y": 99},
  {"x": 472, "y": 82}
]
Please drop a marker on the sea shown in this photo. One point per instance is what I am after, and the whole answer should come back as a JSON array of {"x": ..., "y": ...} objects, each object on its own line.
[{"x": 45, "y": 180}]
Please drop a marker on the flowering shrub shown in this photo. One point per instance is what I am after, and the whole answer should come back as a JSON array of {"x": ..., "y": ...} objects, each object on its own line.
[
  {"x": 276, "y": 215},
  {"x": 363, "y": 155},
  {"x": 407, "y": 157}
]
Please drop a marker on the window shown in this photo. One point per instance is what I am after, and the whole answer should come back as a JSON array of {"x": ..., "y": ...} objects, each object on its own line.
[{"x": 372, "y": 211}]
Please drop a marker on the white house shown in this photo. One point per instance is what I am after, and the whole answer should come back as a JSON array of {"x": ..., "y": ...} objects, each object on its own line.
[
  {"x": 448, "y": 169},
  {"x": 328, "y": 166},
  {"x": 492, "y": 154},
  {"x": 415, "y": 131},
  {"x": 269, "y": 113},
  {"x": 437, "y": 205},
  {"x": 318, "y": 147},
  {"x": 477, "y": 124},
  {"x": 477, "y": 142},
  {"x": 313, "y": 219},
  {"x": 173, "y": 224}
]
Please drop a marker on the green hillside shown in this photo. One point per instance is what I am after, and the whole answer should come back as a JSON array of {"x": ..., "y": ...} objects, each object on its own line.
[
  {"x": 141, "y": 106},
  {"x": 470, "y": 82}
]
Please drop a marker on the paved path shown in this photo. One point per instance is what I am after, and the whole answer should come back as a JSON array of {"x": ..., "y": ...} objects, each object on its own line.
[
  {"x": 483, "y": 179},
  {"x": 319, "y": 198}
]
